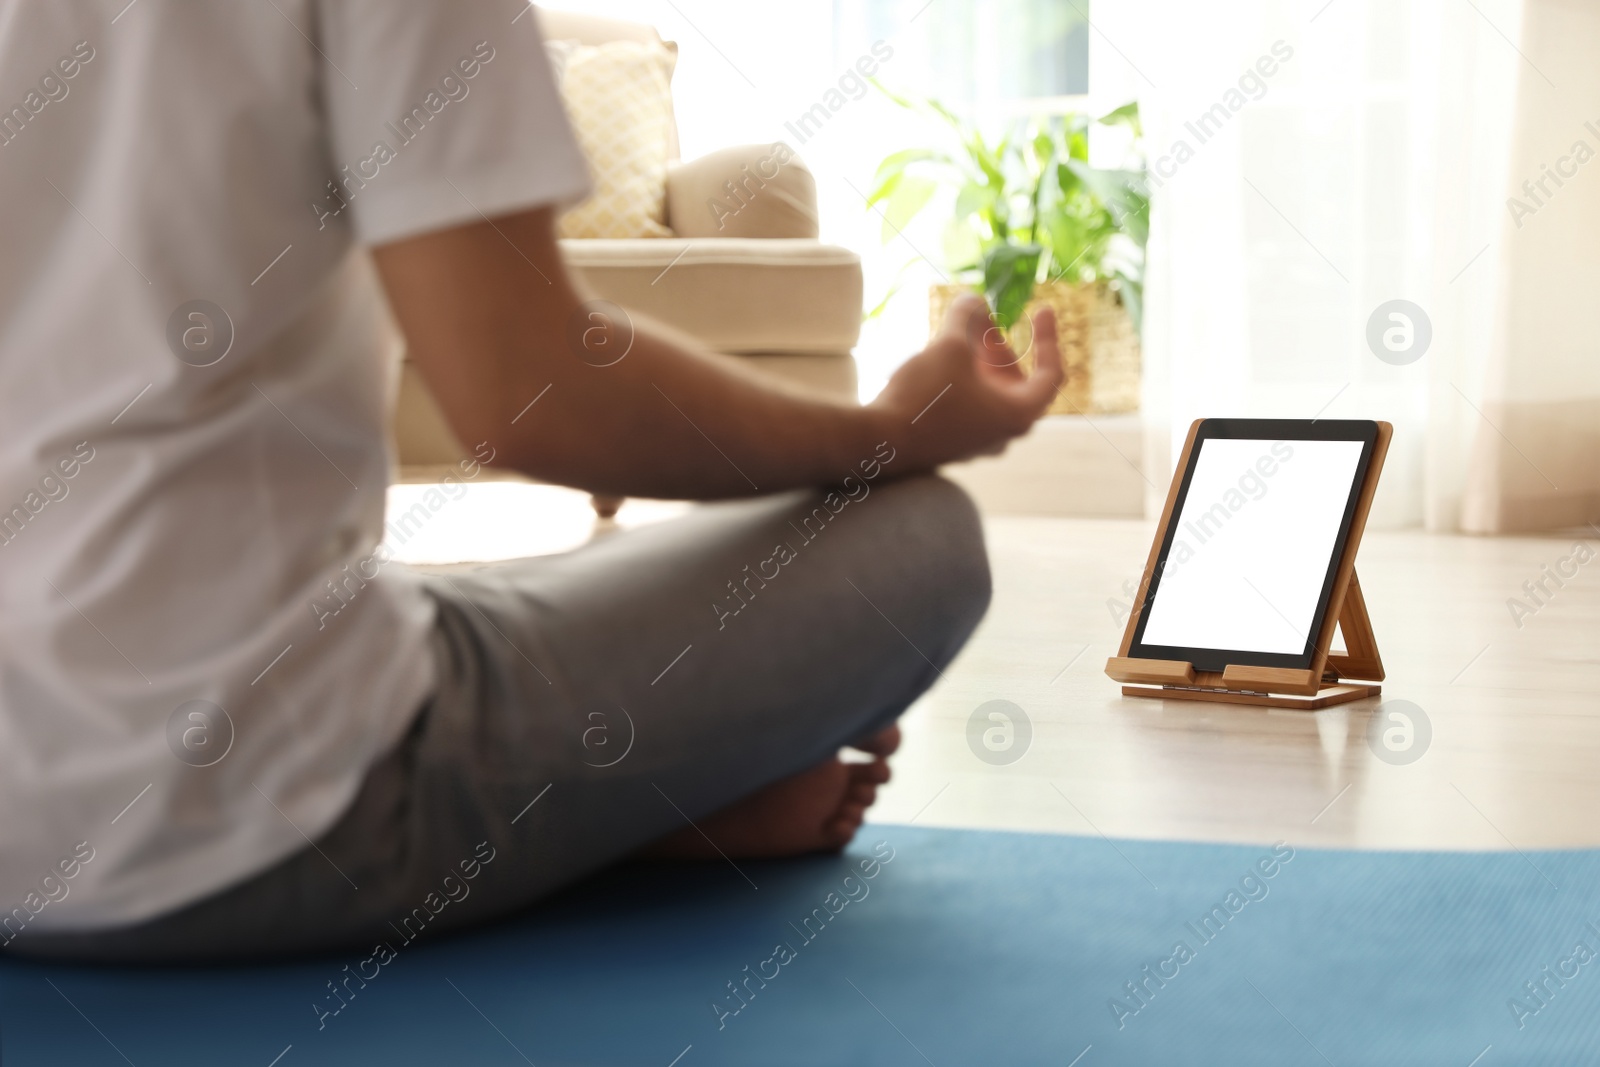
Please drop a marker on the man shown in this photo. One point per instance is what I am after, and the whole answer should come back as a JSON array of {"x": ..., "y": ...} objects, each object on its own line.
[{"x": 229, "y": 726}]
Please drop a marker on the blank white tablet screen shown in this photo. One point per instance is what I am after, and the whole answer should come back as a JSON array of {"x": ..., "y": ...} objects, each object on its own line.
[{"x": 1252, "y": 545}]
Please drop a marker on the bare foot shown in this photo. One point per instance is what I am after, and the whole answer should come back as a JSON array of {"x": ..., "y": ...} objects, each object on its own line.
[{"x": 817, "y": 810}]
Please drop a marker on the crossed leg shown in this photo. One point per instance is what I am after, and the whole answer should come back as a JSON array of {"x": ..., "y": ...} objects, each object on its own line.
[{"x": 684, "y": 688}]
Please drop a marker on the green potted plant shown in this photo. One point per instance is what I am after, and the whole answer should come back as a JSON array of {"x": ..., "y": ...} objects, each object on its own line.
[{"x": 1031, "y": 223}]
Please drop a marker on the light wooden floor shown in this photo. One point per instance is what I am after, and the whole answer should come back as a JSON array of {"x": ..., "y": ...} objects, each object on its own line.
[{"x": 1514, "y": 760}]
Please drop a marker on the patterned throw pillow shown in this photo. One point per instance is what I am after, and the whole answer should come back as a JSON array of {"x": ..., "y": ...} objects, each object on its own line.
[{"x": 619, "y": 97}]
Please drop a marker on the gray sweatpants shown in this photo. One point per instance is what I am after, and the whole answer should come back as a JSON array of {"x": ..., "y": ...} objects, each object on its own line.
[{"x": 592, "y": 702}]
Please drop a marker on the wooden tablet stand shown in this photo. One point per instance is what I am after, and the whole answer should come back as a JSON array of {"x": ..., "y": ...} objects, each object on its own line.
[{"x": 1324, "y": 683}]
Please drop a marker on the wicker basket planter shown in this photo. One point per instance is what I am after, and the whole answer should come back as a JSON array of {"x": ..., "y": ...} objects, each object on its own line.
[{"x": 1099, "y": 346}]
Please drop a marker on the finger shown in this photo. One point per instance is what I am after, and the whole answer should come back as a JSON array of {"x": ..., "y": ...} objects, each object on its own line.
[
  {"x": 996, "y": 352},
  {"x": 963, "y": 312},
  {"x": 971, "y": 319},
  {"x": 1048, "y": 373}
]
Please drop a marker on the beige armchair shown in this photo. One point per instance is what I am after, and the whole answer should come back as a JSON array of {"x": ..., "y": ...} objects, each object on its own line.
[{"x": 743, "y": 271}]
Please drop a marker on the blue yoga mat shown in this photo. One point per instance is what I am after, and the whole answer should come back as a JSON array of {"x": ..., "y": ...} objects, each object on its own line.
[{"x": 938, "y": 947}]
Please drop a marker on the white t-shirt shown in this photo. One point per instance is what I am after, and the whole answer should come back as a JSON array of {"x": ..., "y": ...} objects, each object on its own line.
[{"x": 169, "y": 526}]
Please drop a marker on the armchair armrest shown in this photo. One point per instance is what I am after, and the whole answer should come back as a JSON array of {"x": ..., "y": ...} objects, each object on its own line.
[{"x": 762, "y": 190}]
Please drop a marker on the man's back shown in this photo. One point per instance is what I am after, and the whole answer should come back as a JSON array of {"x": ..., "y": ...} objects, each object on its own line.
[{"x": 194, "y": 367}]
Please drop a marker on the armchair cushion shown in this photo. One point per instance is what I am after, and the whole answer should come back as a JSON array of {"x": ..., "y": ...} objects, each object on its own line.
[
  {"x": 761, "y": 190},
  {"x": 735, "y": 295}
]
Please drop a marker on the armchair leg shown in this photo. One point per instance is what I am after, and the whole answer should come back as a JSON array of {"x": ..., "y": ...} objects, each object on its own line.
[{"x": 605, "y": 507}]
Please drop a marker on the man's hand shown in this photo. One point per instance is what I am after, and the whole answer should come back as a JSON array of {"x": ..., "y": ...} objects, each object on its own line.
[{"x": 964, "y": 395}]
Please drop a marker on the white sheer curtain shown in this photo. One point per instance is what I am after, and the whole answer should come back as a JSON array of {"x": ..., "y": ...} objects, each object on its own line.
[
  {"x": 1535, "y": 467},
  {"x": 1368, "y": 166}
]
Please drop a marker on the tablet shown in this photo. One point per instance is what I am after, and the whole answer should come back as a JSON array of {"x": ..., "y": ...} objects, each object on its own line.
[{"x": 1254, "y": 541}]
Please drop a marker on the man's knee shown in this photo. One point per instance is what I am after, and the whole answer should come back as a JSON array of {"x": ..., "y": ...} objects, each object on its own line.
[
  {"x": 958, "y": 549},
  {"x": 936, "y": 545}
]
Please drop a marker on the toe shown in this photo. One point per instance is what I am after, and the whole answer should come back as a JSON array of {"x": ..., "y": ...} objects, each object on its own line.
[
  {"x": 881, "y": 744},
  {"x": 852, "y": 811},
  {"x": 840, "y": 830},
  {"x": 875, "y": 772}
]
